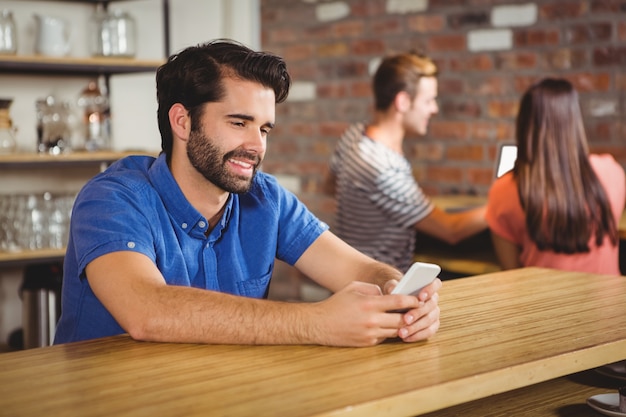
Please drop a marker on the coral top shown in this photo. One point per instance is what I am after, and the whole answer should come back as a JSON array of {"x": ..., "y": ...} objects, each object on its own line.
[{"x": 507, "y": 219}]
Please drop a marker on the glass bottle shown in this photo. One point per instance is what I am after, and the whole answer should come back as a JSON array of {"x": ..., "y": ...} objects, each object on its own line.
[
  {"x": 94, "y": 104},
  {"x": 55, "y": 125},
  {"x": 8, "y": 33},
  {"x": 8, "y": 143},
  {"x": 98, "y": 37}
]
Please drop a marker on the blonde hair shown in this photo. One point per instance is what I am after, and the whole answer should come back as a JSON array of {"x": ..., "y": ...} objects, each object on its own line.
[{"x": 401, "y": 72}]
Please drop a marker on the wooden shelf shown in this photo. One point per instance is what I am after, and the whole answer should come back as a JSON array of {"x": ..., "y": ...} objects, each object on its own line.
[
  {"x": 32, "y": 256},
  {"x": 27, "y": 159},
  {"x": 72, "y": 66}
]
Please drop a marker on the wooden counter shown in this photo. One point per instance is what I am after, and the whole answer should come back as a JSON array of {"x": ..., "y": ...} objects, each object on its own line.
[
  {"x": 499, "y": 332},
  {"x": 565, "y": 396}
]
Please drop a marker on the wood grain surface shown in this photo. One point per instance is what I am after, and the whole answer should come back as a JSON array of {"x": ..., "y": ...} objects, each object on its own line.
[{"x": 499, "y": 332}]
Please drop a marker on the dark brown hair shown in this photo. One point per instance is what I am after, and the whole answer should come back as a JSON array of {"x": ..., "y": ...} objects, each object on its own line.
[
  {"x": 194, "y": 76},
  {"x": 564, "y": 201}
]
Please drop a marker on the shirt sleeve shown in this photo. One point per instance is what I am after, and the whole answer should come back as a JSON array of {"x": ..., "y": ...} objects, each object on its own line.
[
  {"x": 298, "y": 228},
  {"x": 400, "y": 198}
]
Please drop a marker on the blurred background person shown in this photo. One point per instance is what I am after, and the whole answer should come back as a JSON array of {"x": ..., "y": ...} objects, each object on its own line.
[
  {"x": 380, "y": 206},
  {"x": 560, "y": 205}
]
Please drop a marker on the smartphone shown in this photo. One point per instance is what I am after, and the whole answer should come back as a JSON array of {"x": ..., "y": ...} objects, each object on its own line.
[{"x": 419, "y": 275}]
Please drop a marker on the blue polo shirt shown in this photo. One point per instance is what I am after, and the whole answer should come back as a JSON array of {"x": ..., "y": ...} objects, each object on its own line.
[{"x": 136, "y": 205}]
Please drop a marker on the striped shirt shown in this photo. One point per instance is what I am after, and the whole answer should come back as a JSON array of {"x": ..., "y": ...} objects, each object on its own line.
[{"x": 378, "y": 199}]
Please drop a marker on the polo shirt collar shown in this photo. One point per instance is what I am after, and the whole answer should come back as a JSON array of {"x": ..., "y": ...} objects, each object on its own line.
[{"x": 180, "y": 210}]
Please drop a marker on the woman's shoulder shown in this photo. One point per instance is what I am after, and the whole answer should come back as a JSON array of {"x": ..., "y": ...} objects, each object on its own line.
[
  {"x": 503, "y": 183},
  {"x": 606, "y": 164}
]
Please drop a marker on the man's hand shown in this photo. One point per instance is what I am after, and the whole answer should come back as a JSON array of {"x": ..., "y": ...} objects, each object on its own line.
[
  {"x": 421, "y": 322},
  {"x": 359, "y": 315}
]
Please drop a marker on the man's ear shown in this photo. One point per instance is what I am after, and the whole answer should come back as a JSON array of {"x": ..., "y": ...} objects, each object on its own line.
[
  {"x": 402, "y": 101},
  {"x": 180, "y": 121}
]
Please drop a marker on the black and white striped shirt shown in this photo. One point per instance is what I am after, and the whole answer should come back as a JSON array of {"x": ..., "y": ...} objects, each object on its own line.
[{"x": 378, "y": 199}]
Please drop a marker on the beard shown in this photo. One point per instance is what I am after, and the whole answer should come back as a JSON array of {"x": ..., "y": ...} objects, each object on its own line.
[{"x": 209, "y": 161}]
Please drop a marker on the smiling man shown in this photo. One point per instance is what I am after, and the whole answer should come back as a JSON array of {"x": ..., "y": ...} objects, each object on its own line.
[
  {"x": 181, "y": 248},
  {"x": 373, "y": 181}
]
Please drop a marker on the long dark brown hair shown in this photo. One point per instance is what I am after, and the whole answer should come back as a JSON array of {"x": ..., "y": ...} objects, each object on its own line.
[{"x": 564, "y": 201}]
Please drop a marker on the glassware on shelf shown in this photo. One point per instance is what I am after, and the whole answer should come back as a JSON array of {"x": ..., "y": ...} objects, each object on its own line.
[
  {"x": 34, "y": 221},
  {"x": 94, "y": 103},
  {"x": 8, "y": 143},
  {"x": 55, "y": 126},
  {"x": 8, "y": 33},
  {"x": 113, "y": 33}
]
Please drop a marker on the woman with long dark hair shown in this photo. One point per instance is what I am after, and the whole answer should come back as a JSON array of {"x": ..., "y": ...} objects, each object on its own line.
[{"x": 560, "y": 205}]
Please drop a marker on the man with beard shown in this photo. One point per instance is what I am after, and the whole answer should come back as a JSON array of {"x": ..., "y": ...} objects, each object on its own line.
[{"x": 181, "y": 248}]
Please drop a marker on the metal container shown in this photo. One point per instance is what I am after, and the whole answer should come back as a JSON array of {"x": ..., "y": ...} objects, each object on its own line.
[{"x": 41, "y": 303}]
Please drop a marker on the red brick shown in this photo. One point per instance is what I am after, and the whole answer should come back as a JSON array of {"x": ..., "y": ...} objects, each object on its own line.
[
  {"x": 601, "y": 131},
  {"x": 425, "y": 23},
  {"x": 448, "y": 129},
  {"x": 536, "y": 37},
  {"x": 330, "y": 129},
  {"x": 367, "y": 9},
  {"x": 475, "y": 62},
  {"x": 586, "y": 82},
  {"x": 502, "y": 108},
  {"x": 557, "y": 10},
  {"x": 367, "y": 47},
  {"x": 302, "y": 129},
  {"x": 332, "y": 49},
  {"x": 608, "y": 6},
  {"x": 483, "y": 176},
  {"x": 282, "y": 35},
  {"x": 609, "y": 56},
  {"x": 300, "y": 52},
  {"x": 493, "y": 131},
  {"x": 387, "y": 25},
  {"x": 621, "y": 31},
  {"x": 468, "y": 19},
  {"x": 460, "y": 108},
  {"x": 490, "y": 85},
  {"x": 332, "y": 89},
  {"x": 465, "y": 153},
  {"x": 522, "y": 83},
  {"x": 571, "y": 39},
  {"x": 566, "y": 58},
  {"x": 349, "y": 29},
  {"x": 445, "y": 174},
  {"x": 588, "y": 33},
  {"x": 448, "y": 43},
  {"x": 361, "y": 89},
  {"x": 447, "y": 86},
  {"x": 516, "y": 60},
  {"x": 620, "y": 81},
  {"x": 427, "y": 151}
]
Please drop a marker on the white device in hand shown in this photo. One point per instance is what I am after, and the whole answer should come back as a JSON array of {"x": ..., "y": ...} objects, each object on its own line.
[{"x": 419, "y": 275}]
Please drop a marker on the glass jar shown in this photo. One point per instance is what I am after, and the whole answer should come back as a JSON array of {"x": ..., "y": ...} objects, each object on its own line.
[
  {"x": 8, "y": 143},
  {"x": 94, "y": 104},
  {"x": 113, "y": 33},
  {"x": 55, "y": 126},
  {"x": 8, "y": 33}
]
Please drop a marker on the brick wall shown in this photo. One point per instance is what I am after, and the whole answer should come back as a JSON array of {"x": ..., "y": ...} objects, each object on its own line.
[{"x": 488, "y": 52}]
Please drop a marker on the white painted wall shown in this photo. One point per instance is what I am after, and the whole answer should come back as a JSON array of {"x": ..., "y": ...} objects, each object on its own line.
[{"x": 133, "y": 96}]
